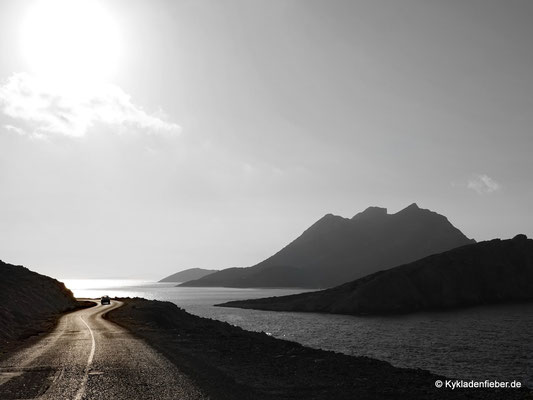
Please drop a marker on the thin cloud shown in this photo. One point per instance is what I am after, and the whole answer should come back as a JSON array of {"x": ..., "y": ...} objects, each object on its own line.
[
  {"x": 15, "y": 129},
  {"x": 483, "y": 184},
  {"x": 46, "y": 109}
]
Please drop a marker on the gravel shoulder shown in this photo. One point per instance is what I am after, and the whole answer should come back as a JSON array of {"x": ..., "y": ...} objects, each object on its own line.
[{"x": 33, "y": 330}]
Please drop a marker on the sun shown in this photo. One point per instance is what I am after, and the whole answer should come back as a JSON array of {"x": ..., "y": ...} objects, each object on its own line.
[{"x": 70, "y": 41}]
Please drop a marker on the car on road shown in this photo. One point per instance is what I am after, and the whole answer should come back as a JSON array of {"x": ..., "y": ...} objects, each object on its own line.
[{"x": 105, "y": 300}]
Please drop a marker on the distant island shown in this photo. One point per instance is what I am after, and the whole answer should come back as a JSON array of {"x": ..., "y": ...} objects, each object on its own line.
[
  {"x": 336, "y": 250},
  {"x": 494, "y": 271},
  {"x": 188, "y": 275}
]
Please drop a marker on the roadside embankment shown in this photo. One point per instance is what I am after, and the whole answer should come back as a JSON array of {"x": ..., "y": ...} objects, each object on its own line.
[
  {"x": 231, "y": 363},
  {"x": 30, "y": 303}
]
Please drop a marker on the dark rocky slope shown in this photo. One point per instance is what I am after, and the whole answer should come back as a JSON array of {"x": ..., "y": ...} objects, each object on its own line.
[
  {"x": 336, "y": 250},
  {"x": 231, "y": 363},
  {"x": 27, "y": 301},
  {"x": 188, "y": 275},
  {"x": 488, "y": 272}
]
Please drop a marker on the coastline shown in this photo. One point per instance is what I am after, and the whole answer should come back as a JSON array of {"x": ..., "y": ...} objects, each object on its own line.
[{"x": 231, "y": 363}]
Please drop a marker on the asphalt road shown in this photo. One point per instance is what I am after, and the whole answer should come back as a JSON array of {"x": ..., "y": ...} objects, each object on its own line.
[{"x": 88, "y": 357}]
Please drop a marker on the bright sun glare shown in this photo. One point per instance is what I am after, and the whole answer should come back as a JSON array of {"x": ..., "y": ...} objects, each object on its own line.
[{"x": 70, "y": 41}]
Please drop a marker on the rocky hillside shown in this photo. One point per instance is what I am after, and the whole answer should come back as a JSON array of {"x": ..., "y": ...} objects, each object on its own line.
[
  {"x": 336, "y": 250},
  {"x": 188, "y": 275},
  {"x": 26, "y": 299},
  {"x": 489, "y": 272}
]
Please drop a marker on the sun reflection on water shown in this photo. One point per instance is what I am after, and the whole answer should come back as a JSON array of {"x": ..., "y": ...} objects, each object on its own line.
[{"x": 95, "y": 288}]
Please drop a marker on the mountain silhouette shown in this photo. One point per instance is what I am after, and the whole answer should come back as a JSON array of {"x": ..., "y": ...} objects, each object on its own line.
[
  {"x": 335, "y": 250},
  {"x": 488, "y": 272},
  {"x": 188, "y": 275}
]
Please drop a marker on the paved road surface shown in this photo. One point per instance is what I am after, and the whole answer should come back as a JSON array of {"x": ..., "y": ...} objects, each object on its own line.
[{"x": 87, "y": 357}]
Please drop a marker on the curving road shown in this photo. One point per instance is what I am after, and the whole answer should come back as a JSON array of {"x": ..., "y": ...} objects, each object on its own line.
[{"x": 87, "y": 357}]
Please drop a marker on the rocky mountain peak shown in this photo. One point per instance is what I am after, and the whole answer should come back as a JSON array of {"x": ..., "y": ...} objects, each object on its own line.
[{"x": 371, "y": 212}]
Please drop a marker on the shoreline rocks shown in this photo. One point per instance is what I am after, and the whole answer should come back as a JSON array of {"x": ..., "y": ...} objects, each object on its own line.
[{"x": 231, "y": 363}]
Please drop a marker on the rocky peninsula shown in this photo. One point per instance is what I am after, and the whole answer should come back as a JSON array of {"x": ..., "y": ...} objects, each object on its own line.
[{"x": 495, "y": 271}]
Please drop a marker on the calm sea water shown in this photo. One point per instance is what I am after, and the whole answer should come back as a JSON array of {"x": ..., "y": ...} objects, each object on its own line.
[{"x": 477, "y": 343}]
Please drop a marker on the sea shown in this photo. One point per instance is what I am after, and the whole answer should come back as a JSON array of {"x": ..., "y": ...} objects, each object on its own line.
[{"x": 480, "y": 343}]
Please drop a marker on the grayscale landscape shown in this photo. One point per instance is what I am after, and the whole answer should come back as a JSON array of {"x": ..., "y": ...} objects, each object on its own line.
[{"x": 266, "y": 199}]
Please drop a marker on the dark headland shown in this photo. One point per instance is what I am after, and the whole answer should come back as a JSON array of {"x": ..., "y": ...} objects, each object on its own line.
[
  {"x": 495, "y": 271},
  {"x": 188, "y": 275},
  {"x": 335, "y": 250}
]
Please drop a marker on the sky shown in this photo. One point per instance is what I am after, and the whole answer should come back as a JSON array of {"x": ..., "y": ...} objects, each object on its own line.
[{"x": 142, "y": 137}]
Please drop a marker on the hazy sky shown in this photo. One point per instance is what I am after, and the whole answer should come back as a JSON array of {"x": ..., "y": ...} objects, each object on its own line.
[{"x": 138, "y": 138}]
